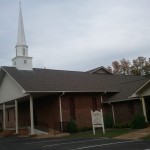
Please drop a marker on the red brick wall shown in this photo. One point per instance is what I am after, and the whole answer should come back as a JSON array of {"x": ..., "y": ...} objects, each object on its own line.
[
  {"x": 47, "y": 110},
  {"x": 10, "y": 118},
  {"x": 1, "y": 116},
  {"x": 123, "y": 112},
  {"x": 83, "y": 107},
  {"x": 24, "y": 113}
]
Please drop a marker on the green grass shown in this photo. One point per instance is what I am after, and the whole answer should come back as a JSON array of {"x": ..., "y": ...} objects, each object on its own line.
[
  {"x": 109, "y": 133},
  {"x": 146, "y": 137}
]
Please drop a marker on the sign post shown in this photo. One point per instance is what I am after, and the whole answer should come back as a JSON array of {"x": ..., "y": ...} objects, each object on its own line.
[{"x": 97, "y": 120}]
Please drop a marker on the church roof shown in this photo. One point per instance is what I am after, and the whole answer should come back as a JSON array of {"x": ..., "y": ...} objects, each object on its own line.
[
  {"x": 47, "y": 80},
  {"x": 58, "y": 80},
  {"x": 99, "y": 70}
]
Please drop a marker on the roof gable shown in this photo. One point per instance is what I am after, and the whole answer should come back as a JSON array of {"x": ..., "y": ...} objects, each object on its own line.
[
  {"x": 99, "y": 70},
  {"x": 9, "y": 90},
  {"x": 144, "y": 90}
]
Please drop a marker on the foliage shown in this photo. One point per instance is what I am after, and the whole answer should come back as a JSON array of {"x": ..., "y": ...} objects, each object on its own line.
[
  {"x": 139, "y": 66},
  {"x": 122, "y": 125},
  {"x": 1, "y": 128},
  {"x": 72, "y": 127},
  {"x": 108, "y": 121},
  {"x": 84, "y": 129},
  {"x": 138, "y": 122}
]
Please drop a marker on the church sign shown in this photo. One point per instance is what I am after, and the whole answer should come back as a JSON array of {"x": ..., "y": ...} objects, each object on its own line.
[{"x": 97, "y": 120}]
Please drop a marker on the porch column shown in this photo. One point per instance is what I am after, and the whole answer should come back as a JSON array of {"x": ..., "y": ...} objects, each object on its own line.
[
  {"x": 144, "y": 108},
  {"x": 31, "y": 115},
  {"x": 16, "y": 115},
  {"x": 60, "y": 109},
  {"x": 60, "y": 112},
  {"x": 4, "y": 116},
  {"x": 113, "y": 113}
]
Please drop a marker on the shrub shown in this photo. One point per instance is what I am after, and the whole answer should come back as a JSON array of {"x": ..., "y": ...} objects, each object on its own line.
[
  {"x": 72, "y": 127},
  {"x": 138, "y": 122},
  {"x": 108, "y": 121},
  {"x": 122, "y": 125},
  {"x": 1, "y": 128},
  {"x": 84, "y": 129}
]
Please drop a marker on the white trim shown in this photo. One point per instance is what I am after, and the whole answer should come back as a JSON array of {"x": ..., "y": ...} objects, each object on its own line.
[
  {"x": 17, "y": 98},
  {"x": 70, "y": 91},
  {"x": 135, "y": 93},
  {"x": 13, "y": 79},
  {"x": 115, "y": 101}
]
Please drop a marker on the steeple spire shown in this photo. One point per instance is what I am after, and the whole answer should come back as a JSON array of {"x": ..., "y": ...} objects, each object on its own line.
[
  {"x": 21, "y": 61},
  {"x": 21, "y": 36}
]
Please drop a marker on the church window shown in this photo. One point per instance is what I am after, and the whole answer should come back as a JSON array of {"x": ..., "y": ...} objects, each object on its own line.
[
  {"x": 14, "y": 63},
  {"x": 94, "y": 103},
  {"x": 25, "y": 61},
  {"x": 72, "y": 108}
]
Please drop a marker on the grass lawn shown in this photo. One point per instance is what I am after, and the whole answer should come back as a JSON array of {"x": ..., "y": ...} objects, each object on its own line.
[
  {"x": 146, "y": 137},
  {"x": 109, "y": 133}
]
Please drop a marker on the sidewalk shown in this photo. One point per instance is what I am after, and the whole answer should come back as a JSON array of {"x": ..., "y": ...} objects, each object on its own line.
[{"x": 136, "y": 134}]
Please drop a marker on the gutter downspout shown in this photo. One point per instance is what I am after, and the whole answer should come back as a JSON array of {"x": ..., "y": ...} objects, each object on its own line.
[
  {"x": 102, "y": 96},
  {"x": 60, "y": 110}
]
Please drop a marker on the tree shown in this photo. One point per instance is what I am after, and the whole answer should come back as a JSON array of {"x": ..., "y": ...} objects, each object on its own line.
[
  {"x": 116, "y": 67},
  {"x": 124, "y": 66},
  {"x": 139, "y": 66}
]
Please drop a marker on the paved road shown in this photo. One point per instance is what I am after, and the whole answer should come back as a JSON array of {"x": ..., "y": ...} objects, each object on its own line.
[{"x": 72, "y": 144}]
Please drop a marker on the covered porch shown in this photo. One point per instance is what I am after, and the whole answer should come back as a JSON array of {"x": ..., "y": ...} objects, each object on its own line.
[{"x": 37, "y": 111}]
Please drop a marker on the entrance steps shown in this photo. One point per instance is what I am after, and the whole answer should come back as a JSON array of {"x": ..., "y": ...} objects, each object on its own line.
[{"x": 26, "y": 132}]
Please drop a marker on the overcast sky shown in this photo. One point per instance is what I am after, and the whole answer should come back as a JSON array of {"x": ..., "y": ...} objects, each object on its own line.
[{"x": 76, "y": 34}]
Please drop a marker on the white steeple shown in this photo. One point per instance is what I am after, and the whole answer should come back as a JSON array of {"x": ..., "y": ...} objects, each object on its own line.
[
  {"x": 21, "y": 36},
  {"x": 21, "y": 61}
]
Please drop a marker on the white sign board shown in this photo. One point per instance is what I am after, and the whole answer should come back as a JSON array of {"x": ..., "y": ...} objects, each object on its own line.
[{"x": 97, "y": 120}]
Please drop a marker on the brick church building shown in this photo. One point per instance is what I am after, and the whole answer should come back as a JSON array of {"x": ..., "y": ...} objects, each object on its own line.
[{"x": 43, "y": 98}]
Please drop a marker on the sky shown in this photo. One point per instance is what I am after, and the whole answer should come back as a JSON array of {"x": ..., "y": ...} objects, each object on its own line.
[{"x": 76, "y": 35}]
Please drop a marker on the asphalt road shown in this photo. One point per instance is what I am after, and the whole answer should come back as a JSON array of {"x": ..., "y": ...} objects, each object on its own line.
[{"x": 72, "y": 144}]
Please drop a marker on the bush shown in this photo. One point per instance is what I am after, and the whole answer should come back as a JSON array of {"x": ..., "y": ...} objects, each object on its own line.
[
  {"x": 84, "y": 129},
  {"x": 72, "y": 127},
  {"x": 108, "y": 121},
  {"x": 138, "y": 122},
  {"x": 1, "y": 128},
  {"x": 122, "y": 125}
]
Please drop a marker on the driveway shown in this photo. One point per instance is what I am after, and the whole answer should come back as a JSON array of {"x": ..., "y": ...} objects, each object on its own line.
[{"x": 16, "y": 143}]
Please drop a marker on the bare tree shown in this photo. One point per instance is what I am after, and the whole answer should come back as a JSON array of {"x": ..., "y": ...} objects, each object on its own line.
[
  {"x": 116, "y": 67},
  {"x": 139, "y": 66}
]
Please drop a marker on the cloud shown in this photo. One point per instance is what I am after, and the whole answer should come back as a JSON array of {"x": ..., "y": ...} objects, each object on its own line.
[{"x": 77, "y": 35}]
